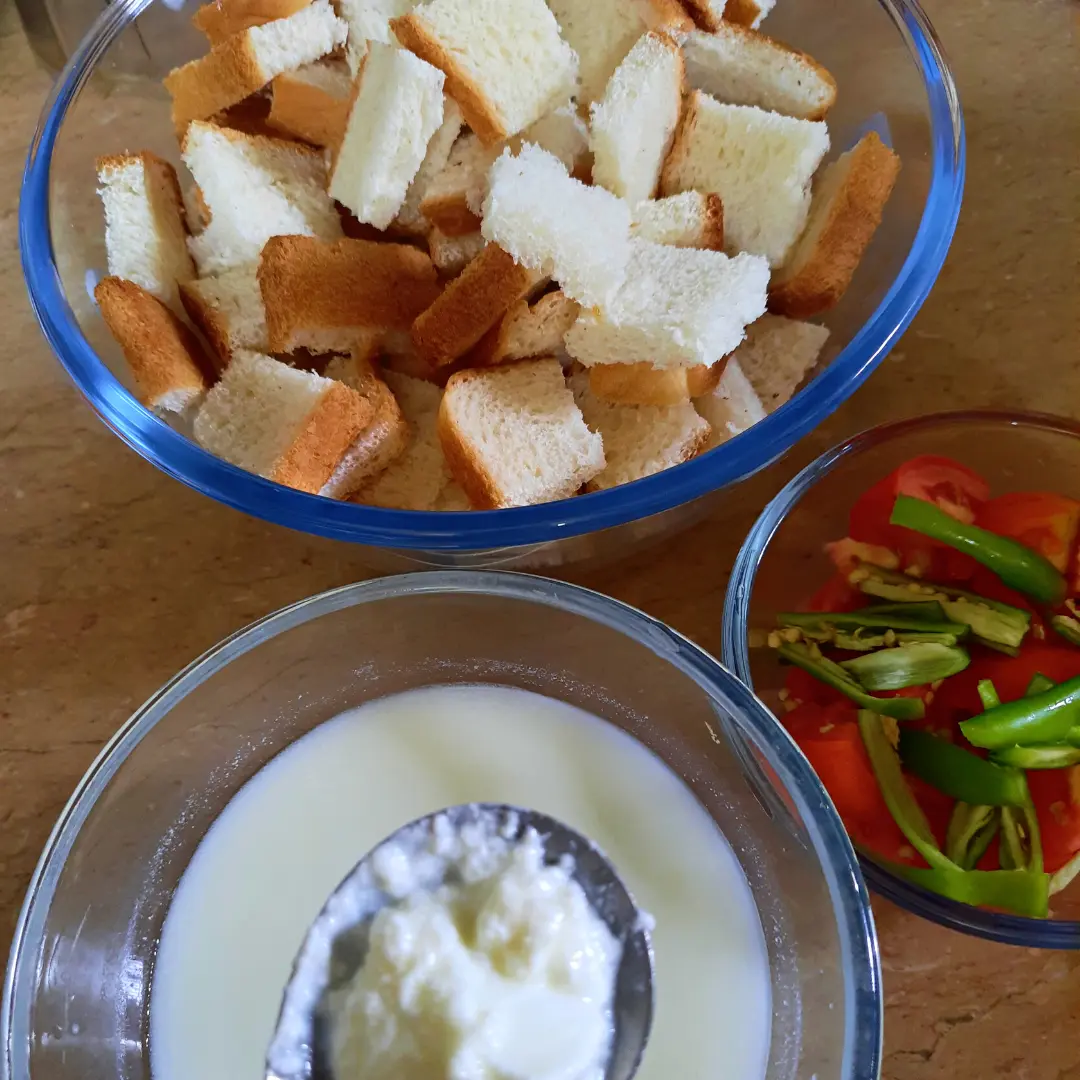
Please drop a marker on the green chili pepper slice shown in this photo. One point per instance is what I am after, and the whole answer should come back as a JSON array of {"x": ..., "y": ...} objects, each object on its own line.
[
  {"x": 899, "y": 708},
  {"x": 970, "y": 833},
  {"x": 1039, "y": 684},
  {"x": 1018, "y": 891},
  {"x": 1016, "y": 565},
  {"x": 1067, "y": 627},
  {"x": 915, "y": 664},
  {"x": 960, "y": 773},
  {"x": 858, "y": 642},
  {"x": 1021, "y": 842},
  {"x": 988, "y": 694},
  {"x": 1041, "y": 718},
  {"x": 874, "y": 619},
  {"x": 1058, "y": 756},
  {"x": 902, "y": 804}
]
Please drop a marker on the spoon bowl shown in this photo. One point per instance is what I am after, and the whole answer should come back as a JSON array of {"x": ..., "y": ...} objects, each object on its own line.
[{"x": 336, "y": 945}]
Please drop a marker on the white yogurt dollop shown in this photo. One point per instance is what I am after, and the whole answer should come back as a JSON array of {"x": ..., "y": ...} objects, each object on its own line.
[{"x": 507, "y": 975}]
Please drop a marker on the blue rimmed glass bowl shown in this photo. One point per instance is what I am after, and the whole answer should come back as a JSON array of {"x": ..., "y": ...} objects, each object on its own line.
[
  {"x": 892, "y": 77},
  {"x": 782, "y": 561}
]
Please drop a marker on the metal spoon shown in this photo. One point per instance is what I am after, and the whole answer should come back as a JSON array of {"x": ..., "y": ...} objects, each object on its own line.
[{"x": 336, "y": 944}]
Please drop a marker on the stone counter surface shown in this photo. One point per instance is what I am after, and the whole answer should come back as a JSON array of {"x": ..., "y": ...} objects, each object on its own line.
[{"x": 113, "y": 576}]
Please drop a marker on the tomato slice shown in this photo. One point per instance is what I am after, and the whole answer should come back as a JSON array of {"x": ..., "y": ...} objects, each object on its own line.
[
  {"x": 1056, "y": 794},
  {"x": 952, "y": 487},
  {"x": 1045, "y": 522},
  {"x": 837, "y": 594}
]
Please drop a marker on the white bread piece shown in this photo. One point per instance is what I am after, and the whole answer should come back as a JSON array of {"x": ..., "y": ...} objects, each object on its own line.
[
  {"x": 411, "y": 218},
  {"x": 777, "y": 355},
  {"x": 166, "y": 360},
  {"x": 228, "y": 310},
  {"x": 707, "y": 14},
  {"x": 643, "y": 384},
  {"x": 678, "y": 307},
  {"x": 505, "y": 63},
  {"x": 561, "y": 132},
  {"x": 749, "y": 13},
  {"x": 733, "y": 405},
  {"x": 418, "y": 478},
  {"x": 513, "y": 435},
  {"x": 690, "y": 219},
  {"x": 552, "y": 223},
  {"x": 452, "y": 497},
  {"x": 848, "y": 201},
  {"x": 326, "y": 297},
  {"x": 602, "y": 32},
  {"x": 633, "y": 124},
  {"x": 384, "y": 439},
  {"x": 639, "y": 440},
  {"x": 526, "y": 330},
  {"x": 312, "y": 103},
  {"x": 742, "y": 67},
  {"x": 459, "y": 187},
  {"x": 145, "y": 234},
  {"x": 254, "y": 188},
  {"x": 246, "y": 62},
  {"x": 397, "y": 108},
  {"x": 759, "y": 163},
  {"x": 196, "y": 212},
  {"x": 280, "y": 422},
  {"x": 451, "y": 254},
  {"x": 220, "y": 19},
  {"x": 369, "y": 20}
]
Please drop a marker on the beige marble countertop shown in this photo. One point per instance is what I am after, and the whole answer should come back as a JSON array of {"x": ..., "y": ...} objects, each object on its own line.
[{"x": 106, "y": 564}]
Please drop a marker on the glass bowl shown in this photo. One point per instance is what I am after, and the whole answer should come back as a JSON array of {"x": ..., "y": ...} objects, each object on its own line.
[
  {"x": 782, "y": 559},
  {"x": 892, "y": 77},
  {"x": 76, "y": 995}
]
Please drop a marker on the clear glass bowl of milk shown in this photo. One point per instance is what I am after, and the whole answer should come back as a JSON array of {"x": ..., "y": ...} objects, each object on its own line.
[{"x": 160, "y": 927}]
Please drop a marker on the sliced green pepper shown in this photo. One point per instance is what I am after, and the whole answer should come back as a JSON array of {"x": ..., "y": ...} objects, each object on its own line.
[
  {"x": 928, "y": 611},
  {"x": 1039, "y": 684},
  {"x": 988, "y": 694},
  {"x": 858, "y": 642},
  {"x": 1041, "y": 718},
  {"x": 1057, "y": 756},
  {"x": 823, "y": 669},
  {"x": 1018, "y": 891},
  {"x": 874, "y": 619},
  {"x": 960, "y": 773},
  {"x": 970, "y": 833},
  {"x": 1067, "y": 627},
  {"x": 916, "y": 664},
  {"x": 1021, "y": 841},
  {"x": 1018, "y": 566},
  {"x": 902, "y": 804}
]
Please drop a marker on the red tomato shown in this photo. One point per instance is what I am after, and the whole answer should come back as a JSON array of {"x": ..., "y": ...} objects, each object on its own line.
[
  {"x": 1056, "y": 794},
  {"x": 1042, "y": 521},
  {"x": 837, "y": 594},
  {"x": 951, "y": 486},
  {"x": 802, "y": 687}
]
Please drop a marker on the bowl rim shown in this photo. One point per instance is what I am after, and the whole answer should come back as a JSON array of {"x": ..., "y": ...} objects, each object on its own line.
[
  {"x": 477, "y": 530},
  {"x": 1002, "y": 928},
  {"x": 857, "y": 935}
]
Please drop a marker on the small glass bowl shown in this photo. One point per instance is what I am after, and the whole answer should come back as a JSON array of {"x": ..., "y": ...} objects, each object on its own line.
[
  {"x": 893, "y": 77},
  {"x": 78, "y": 984},
  {"x": 783, "y": 559}
]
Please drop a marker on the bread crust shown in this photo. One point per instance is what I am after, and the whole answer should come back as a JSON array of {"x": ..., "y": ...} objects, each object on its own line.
[
  {"x": 701, "y": 11},
  {"x": 303, "y": 111},
  {"x": 225, "y": 76},
  {"x": 470, "y": 305},
  {"x": 223, "y": 18},
  {"x": 741, "y": 12},
  {"x": 712, "y": 231},
  {"x": 496, "y": 346},
  {"x": 680, "y": 144},
  {"x": 465, "y": 467},
  {"x": 642, "y": 384},
  {"x": 479, "y": 111},
  {"x": 209, "y": 322},
  {"x": 165, "y": 357},
  {"x": 815, "y": 280}
]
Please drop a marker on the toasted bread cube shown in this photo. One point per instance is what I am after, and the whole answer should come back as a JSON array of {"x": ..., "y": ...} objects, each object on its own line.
[
  {"x": 777, "y": 355},
  {"x": 742, "y": 67},
  {"x": 759, "y": 163},
  {"x": 750, "y": 13},
  {"x": 165, "y": 358},
  {"x": 707, "y": 14},
  {"x": 397, "y": 108},
  {"x": 145, "y": 233},
  {"x": 642, "y": 384},
  {"x": 254, "y": 188},
  {"x": 633, "y": 124},
  {"x": 223, "y": 18},
  {"x": 560, "y": 132},
  {"x": 246, "y": 62},
  {"x": 514, "y": 436},
  {"x": 554, "y": 224},
  {"x": 312, "y": 103},
  {"x": 451, "y": 254},
  {"x": 369, "y": 20},
  {"x": 228, "y": 310},
  {"x": 845, "y": 212},
  {"x": 732, "y": 406},
  {"x": 282, "y": 423},
  {"x": 454, "y": 197},
  {"x": 411, "y": 218},
  {"x": 639, "y": 440},
  {"x": 690, "y": 219},
  {"x": 602, "y": 32},
  {"x": 678, "y": 307},
  {"x": 526, "y": 330},
  {"x": 323, "y": 297},
  {"x": 504, "y": 61}
]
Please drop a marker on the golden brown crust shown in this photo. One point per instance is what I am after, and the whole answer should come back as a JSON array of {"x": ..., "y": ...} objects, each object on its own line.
[
  {"x": 837, "y": 234},
  {"x": 330, "y": 429},
  {"x": 478, "y": 110},
  {"x": 642, "y": 384},
  {"x": 465, "y": 467},
  {"x": 470, "y": 305},
  {"x": 305, "y": 111},
  {"x": 741, "y": 12},
  {"x": 680, "y": 144},
  {"x": 320, "y": 295},
  {"x": 450, "y": 213},
  {"x": 165, "y": 357},
  {"x": 667, "y": 15},
  {"x": 545, "y": 320},
  {"x": 209, "y": 322},
  {"x": 701, "y": 11},
  {"x": 491, "y": 350},
  {"x": 712, "y": 233},
  {"x": 223, "y": 18},
  {"x": 225, "y": 76}
]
